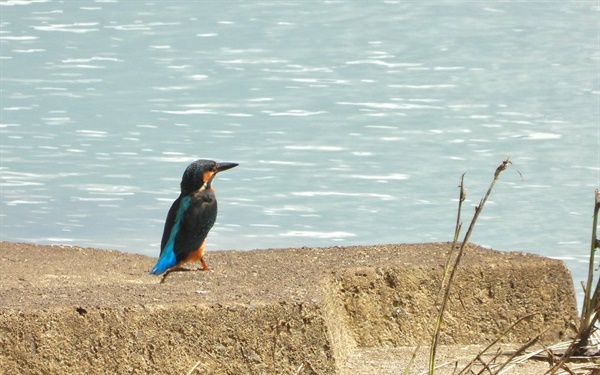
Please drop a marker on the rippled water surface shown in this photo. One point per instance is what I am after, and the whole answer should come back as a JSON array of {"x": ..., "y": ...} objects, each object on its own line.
[{"x": 352, "y": 121}]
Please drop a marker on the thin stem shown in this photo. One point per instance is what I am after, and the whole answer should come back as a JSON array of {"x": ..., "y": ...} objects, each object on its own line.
[
  {"x": 588, "y": 308},
  {"x": 461, "y": 198},
  {"x": 481, "y": 353},
  {"x": 591, "y": 303},
  {"x": 461, "y": 251}
]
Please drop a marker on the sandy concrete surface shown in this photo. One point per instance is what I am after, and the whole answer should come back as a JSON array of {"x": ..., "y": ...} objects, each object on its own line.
[{"x": 341, "y": 310}]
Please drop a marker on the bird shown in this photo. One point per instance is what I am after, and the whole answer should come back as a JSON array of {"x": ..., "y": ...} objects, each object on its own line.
[{"x": 190, "y": 218}]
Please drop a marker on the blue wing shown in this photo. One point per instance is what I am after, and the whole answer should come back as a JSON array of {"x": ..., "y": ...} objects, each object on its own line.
[{"x": 167, "y": 258}]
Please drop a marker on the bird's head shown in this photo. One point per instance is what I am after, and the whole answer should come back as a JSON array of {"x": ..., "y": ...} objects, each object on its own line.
[{"x": 199, "y": 175}]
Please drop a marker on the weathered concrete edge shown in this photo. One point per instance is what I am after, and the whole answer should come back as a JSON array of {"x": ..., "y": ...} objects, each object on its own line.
[
  {"x": 251, "y": 338},
  {"x": 166, "y": 340}
]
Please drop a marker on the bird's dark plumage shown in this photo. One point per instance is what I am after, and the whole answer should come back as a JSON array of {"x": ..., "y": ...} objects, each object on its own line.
[{"x": 191, "y": 217}]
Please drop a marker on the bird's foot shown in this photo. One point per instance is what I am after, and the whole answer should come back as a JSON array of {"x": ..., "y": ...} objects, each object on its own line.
[
  {"x": 174, "y": 269},
  {"x": 184, "y": 269},
  {"x": 162, "y": 280}
]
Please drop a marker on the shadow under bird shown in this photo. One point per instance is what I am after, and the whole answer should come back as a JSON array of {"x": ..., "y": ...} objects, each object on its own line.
[{"x": 190, "y": 218}]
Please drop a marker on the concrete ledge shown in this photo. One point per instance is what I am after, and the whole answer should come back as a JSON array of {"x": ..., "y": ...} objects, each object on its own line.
[{"x": 70, "y": 310}]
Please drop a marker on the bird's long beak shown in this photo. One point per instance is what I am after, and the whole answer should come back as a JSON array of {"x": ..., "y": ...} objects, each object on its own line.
[{"x": 225, "y": 166}]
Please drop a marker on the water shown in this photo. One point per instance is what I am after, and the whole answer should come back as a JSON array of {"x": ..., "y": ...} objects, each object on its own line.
[{"x": 352, "y": 122}]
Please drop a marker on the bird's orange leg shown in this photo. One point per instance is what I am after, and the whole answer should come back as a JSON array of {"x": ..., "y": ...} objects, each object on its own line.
[
  {"x": 204, "y": 266},
  {"x": 168, "y": 272}
]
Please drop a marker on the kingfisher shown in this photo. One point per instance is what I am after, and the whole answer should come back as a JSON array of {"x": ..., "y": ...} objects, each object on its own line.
[{"x": 190, "y": 218}]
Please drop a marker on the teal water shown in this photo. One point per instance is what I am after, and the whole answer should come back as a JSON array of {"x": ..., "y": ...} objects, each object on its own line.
[{"x": 352, "y": 121}]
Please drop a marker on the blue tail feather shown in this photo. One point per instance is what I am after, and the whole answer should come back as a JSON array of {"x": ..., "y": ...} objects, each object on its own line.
[{"x": 166, "y": 261}]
